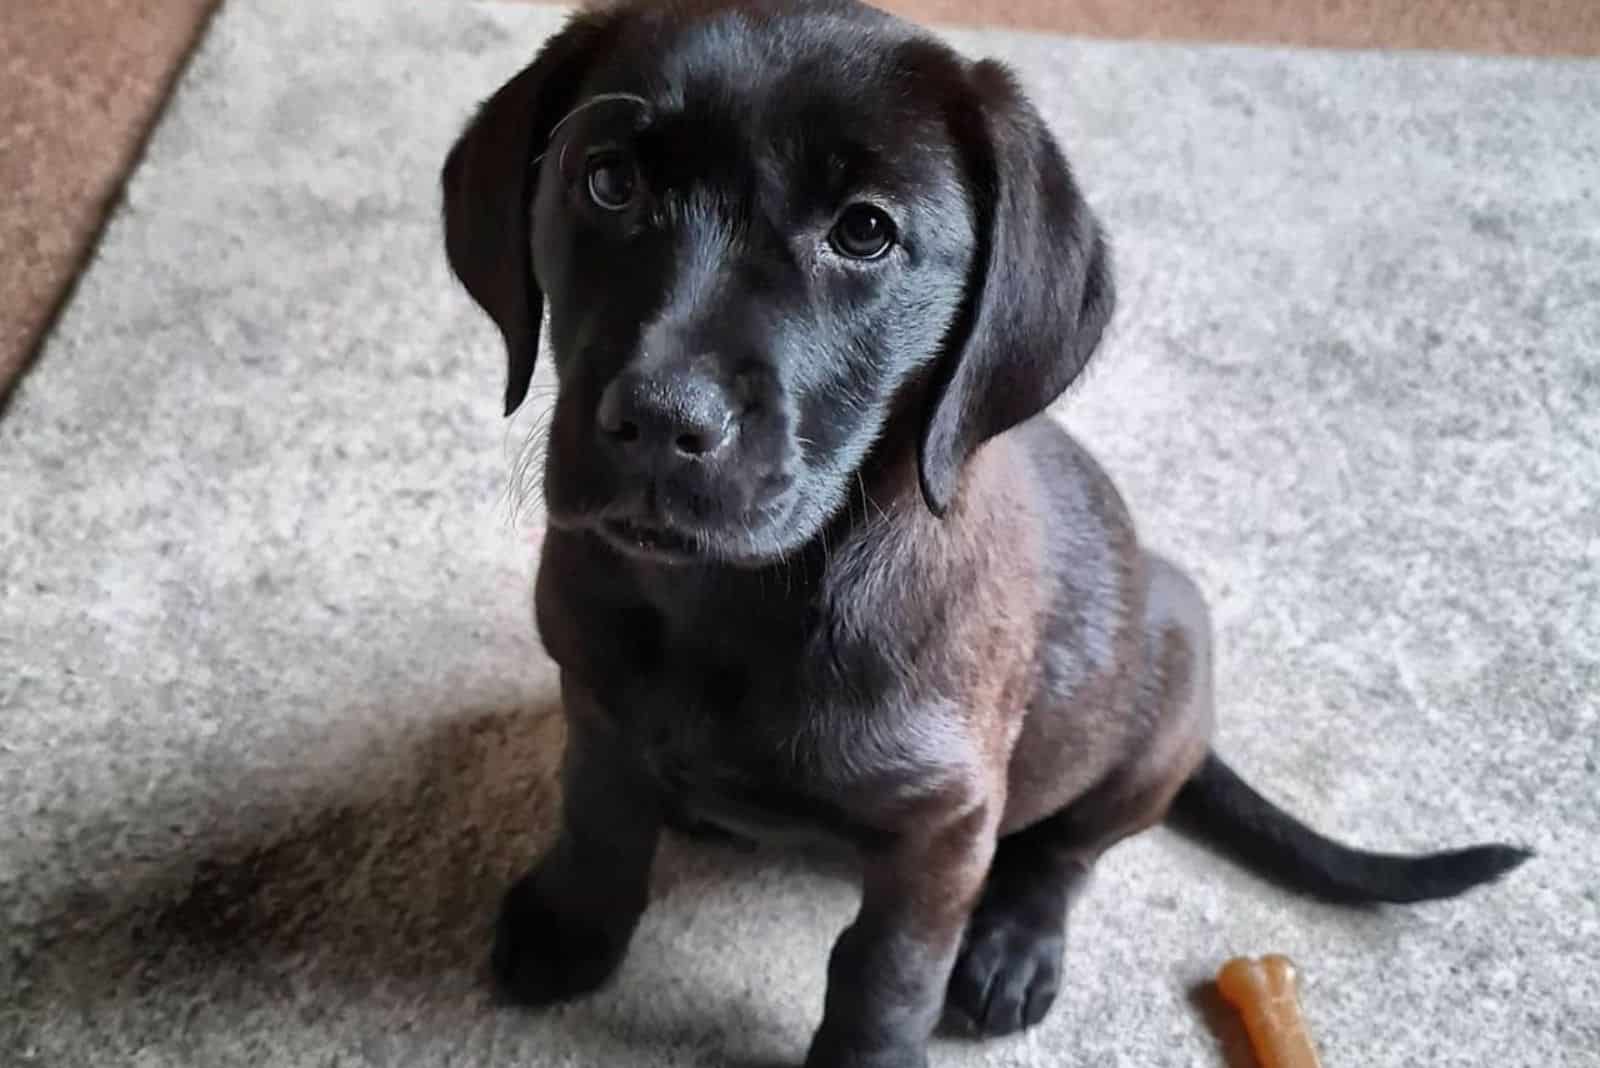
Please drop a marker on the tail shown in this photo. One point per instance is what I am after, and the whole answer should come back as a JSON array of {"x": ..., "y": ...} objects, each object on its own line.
[{"x": 1221, "y": 809}]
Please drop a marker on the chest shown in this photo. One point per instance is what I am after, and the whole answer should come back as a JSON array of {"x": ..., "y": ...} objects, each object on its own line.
[
  {"x": 759, "y": 723},
  {"x": 765, "y": 698},
  {"x": 754, "y": 734}
]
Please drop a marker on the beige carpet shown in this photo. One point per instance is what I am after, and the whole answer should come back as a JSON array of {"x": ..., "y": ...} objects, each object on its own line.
[{"x": 81, "y": 81}]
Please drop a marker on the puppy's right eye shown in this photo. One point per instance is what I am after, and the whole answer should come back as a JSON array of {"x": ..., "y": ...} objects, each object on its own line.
[
  {"x": 612, "y": 182},
  {"x": 863, "y": 232}
]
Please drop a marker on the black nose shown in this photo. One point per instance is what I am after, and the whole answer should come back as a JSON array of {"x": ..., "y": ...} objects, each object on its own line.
[{"x": 684, "y": 416}]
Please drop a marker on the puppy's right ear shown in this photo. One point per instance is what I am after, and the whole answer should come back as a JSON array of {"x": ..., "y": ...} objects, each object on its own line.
[{"x": 489, "y": 180}]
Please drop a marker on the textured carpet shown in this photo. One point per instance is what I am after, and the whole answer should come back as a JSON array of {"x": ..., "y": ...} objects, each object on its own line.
[
  {"x": 275, "y": 730},
  {"x": 1540, "y": 27},
  {"x": 80, "y": 83}
]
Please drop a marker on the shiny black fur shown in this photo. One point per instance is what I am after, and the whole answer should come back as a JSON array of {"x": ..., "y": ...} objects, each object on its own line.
[{"x": 816, "y": 560}]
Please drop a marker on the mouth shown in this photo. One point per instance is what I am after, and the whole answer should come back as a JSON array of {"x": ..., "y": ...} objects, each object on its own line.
[
  {"x": 643, "y": 531},
  {"x": 650, "y": 542}
]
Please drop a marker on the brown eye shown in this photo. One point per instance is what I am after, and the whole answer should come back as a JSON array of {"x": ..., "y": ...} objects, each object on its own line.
[
  {"x": 863, "y": 232},
  {"x": 612, "y": 183}
]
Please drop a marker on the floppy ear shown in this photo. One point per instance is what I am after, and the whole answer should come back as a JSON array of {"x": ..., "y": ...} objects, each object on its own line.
[
  {"x": 1039, "y": 293},
  {"x": 489, "y": 180}
]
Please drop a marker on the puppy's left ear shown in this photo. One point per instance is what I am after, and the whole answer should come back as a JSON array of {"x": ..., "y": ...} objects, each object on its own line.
[
  {"x": 1039, "y": 292},
  {"x": 489, "y": 180}
]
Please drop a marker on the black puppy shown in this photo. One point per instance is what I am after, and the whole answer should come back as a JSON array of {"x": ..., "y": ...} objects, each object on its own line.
[{"x": 815, "y": 559}]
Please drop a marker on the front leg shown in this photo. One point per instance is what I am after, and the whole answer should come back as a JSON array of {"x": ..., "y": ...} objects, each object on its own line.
[
  {"x": 888, "y": 971},
  {"x": 565, "y": 926}
]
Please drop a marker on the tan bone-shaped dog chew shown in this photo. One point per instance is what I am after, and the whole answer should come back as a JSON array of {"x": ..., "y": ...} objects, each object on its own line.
[{"x": 1265, "y": 996}]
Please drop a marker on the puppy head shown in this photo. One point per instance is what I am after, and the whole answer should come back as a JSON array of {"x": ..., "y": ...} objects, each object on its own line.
[{"x": 766, "y": 234}]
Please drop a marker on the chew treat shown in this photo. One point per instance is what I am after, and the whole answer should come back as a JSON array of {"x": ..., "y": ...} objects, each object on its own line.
[{"x": 1264, "y": 994}]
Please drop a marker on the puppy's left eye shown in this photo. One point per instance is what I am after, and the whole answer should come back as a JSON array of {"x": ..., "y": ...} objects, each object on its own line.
[
  {"x": 863, "y": 232},
  {"x": 612, "y": 182}
]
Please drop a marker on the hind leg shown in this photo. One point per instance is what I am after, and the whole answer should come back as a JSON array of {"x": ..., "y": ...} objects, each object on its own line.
[{"x": 1009, "y": 968}]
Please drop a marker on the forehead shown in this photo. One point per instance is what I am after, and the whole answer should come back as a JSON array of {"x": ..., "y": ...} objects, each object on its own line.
[{"x": 857, "y": 99}]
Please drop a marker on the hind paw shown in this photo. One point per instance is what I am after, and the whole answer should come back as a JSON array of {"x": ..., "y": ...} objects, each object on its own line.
[{"x": 1007, "y": 974}]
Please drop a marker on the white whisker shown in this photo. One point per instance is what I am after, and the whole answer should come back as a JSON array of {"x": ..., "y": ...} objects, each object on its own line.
[{"x": 598, "y": 98}]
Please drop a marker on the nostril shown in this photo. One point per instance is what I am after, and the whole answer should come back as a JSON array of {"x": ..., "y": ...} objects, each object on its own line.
[
  {"x": 700, "y": 440},
  {"x": 680, "y": 416}
]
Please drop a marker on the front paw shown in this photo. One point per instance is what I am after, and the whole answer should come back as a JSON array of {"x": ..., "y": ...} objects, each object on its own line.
[
  {"x": 1007, "y": 973},
  {"x": 544, "y": 953}
]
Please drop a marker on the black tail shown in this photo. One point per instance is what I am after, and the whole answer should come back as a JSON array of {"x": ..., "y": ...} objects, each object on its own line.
[{"x": 1221, "y": 809}]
